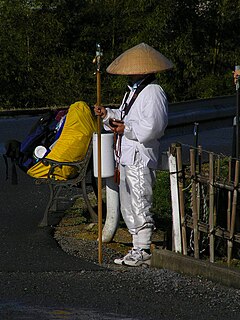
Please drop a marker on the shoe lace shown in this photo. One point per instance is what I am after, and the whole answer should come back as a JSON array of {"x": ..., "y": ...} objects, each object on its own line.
[{"x": 136, "y": 253}]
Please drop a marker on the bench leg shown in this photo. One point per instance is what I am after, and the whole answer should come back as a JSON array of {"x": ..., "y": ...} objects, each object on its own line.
[
  {"x": 51, "y": 205},
  {"x": 44, "y": 222},
  {"x": 92, "y": 213}
]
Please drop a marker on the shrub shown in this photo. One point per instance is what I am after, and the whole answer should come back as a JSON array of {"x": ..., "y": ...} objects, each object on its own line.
[{"x": 161, "y": 206}]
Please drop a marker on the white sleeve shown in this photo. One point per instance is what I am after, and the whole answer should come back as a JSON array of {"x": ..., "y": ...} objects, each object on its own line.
[
  {"x": 151, "y": 117},
  {"x": 111, "y": 114}
]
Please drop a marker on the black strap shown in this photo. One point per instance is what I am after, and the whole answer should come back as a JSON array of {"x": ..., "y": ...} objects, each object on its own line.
[
  {"x": 127, "y": 106},
  {"x": 13, "y": 153},
  {"x": 147, "y": 80},
  {"x": 6, "y": 165},
  {"x": 14, "y": 173}
]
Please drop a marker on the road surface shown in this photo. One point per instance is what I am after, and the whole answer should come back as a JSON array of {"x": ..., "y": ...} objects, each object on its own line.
[{"x": 40, "y": 281}]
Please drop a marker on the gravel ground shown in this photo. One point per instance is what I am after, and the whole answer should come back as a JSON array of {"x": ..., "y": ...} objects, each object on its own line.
[
  {"x": 168, "y": 295},
  {"x": 180, "y": 296}
]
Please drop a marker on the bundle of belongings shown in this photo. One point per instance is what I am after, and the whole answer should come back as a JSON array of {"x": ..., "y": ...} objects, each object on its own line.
[{"x": 62, "y": 136}]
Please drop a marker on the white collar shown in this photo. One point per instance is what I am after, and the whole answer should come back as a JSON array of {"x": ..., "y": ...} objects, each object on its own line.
[{"x": 135, "y": 85}]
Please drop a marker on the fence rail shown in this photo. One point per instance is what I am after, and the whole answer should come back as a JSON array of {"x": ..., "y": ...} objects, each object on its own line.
[{"x": 208, "y": 203}]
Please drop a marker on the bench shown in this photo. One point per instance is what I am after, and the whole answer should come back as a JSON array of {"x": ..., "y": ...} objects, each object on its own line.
[{"x": 56, "y": 187}]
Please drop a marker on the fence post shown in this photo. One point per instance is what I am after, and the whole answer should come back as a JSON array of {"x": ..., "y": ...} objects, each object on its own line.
[
  {"x": 199, "y": 191},
  {"x": 229, "y": 196},
  {"x": 176, "y": 226},
  {"x": 194, "y": 204},
  {"x": 181, "y": 198},
  {"x": 234, "y": 209},
  {"x": 211, "y": 206}
]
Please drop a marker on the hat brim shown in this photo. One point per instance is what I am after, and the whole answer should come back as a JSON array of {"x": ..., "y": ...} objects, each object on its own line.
[{"x": 141, "y": 59}]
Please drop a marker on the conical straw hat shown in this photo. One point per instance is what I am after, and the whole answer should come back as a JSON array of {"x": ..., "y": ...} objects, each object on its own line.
[{"x": 141, "y": 59}]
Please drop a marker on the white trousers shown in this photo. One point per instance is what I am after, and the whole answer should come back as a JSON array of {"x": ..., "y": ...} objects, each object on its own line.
[{"x": 135, "y": 190}]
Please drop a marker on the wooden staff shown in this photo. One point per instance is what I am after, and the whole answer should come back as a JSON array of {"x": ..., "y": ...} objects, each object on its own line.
[{"x": 97, "y": 60}]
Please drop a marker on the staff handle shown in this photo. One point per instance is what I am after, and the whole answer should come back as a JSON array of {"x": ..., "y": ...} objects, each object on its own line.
[
  {"x": 99, "y": 172},
  {"x": 99, "y": 125}
]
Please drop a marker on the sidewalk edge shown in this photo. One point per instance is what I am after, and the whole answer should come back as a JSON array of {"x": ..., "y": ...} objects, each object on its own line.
[{"x": 165, "y": 259}]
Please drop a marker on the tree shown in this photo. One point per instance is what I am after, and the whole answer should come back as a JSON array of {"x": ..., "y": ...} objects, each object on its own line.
[{"x": 47, "y": 47}]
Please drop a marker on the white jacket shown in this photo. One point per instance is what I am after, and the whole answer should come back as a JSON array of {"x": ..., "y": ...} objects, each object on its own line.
[{"x": 144, "y": 125}]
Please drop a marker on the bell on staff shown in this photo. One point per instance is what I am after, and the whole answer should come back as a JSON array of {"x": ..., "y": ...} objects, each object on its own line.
[{"x": 99, "y": 51}]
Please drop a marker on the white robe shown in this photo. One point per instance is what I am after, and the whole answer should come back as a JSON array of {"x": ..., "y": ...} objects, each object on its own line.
[
  {"x": 140, "y": 151},
  {"x": 144, "y": 125}
]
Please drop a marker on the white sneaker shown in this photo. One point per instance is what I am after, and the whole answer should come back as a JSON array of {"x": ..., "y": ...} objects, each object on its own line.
[
  {"x": 135, "y": 258},
  {"x": 121, "y": 260}
]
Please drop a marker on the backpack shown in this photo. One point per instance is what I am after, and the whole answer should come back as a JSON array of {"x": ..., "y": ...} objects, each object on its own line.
[{"x": 44, "y": 132}]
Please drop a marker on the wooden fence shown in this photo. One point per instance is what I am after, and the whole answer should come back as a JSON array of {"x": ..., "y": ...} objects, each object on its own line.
[{"x": 205, "y": 193}]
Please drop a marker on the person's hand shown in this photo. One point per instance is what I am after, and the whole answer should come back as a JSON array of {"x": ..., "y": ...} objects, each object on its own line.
[
  {"x": 117, "y": 126},
  {"x": 100, "y": 111},
  {"x": 236, "y": 75}
]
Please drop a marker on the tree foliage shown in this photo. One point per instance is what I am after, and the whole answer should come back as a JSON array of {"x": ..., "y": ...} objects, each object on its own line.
[{"x": 47, "y": 47}]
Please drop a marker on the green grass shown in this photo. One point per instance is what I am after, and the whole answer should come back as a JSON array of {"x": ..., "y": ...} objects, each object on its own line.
[{"x": 161, "y": 207}]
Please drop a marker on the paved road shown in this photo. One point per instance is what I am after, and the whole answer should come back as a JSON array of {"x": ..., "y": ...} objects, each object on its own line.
[
  {"x": 218, "y": 140},
  {"x": 39, "y": 281}
]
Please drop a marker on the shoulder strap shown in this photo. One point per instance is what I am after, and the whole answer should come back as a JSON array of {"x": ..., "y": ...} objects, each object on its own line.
[
  {"x": 13, "y": 152},
  {"x": 144, "y": 83}
]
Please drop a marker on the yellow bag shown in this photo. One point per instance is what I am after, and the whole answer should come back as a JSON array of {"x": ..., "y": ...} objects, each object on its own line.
[{"x": 72, "y": 144}]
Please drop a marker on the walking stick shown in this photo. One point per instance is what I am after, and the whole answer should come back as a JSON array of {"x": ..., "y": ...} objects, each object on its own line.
[{"x": 98, "y": 74}]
